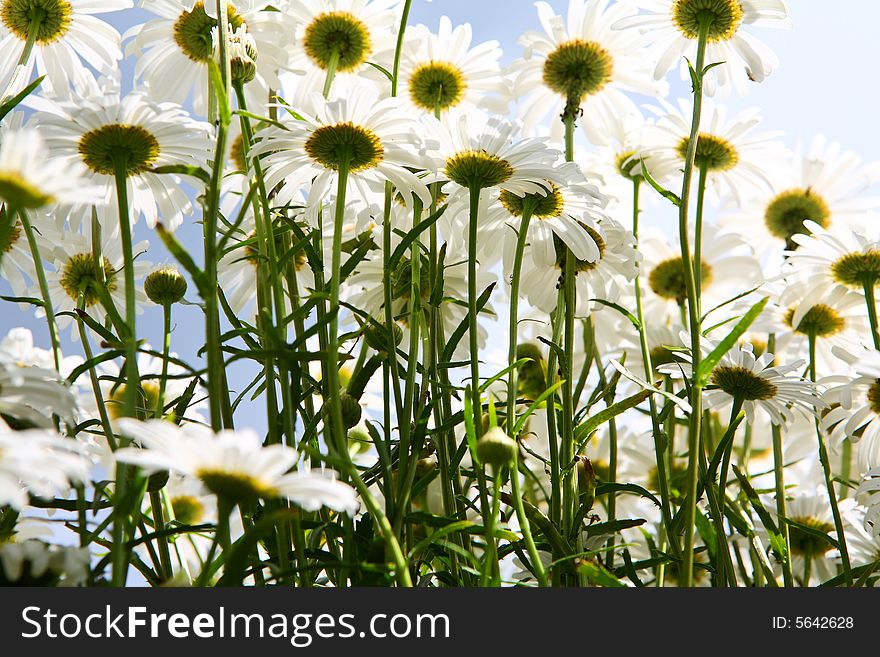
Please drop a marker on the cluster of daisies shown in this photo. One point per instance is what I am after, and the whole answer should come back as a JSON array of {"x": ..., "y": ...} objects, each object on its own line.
[{"x": 421, "y": 274}]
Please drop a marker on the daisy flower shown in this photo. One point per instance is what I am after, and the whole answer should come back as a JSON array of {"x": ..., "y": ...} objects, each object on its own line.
[
  {"x": 558, "y": 212},
  {"x": 66, "y": 34},
  {"x": 836, "y": 317},
  {"x": 836, "y": 256},
  {"x": 479, "y": 151},
  {"x": 40, "y": 463},
  {"x": 603, "y": 278},
  {"x": 727, "y": 268},
  {"x": 580, "y": 58},
  {"x": 234, "y": 465},
  {"x": 813, "y": 558},
  {"x": 343, "y": 35},
  {"x": 442, "y": 70},
  {"x": 825, "y": 185},
  {"x": 757, "y": 383},
  {"x": 17, "y": 265},
  {"x": 31, "y": 179},
  {"x": 855, "y": 405},
  {"x": 736, "y": 159},
  {"x": 132, "y": 134},
  {"x": 380, "y": 142},
  {"x": 173, "y": 50},
  {"x": 77, "y": 273},
  {"x": 36, "y": 563},
  {"x": 673, "y": 29}
]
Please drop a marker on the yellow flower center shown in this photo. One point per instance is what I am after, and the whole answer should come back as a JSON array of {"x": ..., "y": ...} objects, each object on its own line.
[
  {"x": 331, "y": 145},
  {"x": 337, "y": 34},
  {"x": 578, "y": 68},
  {"x": 130, "y": 146},
  {"x": 721, "y": 18},
  {"x": 50, "y": 19},
  {"x": 436, "y": 85}
]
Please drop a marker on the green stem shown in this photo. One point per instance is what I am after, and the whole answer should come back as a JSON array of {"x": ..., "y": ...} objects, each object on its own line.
[
  {"x": 401, "y": 32},
  {"x": 214, "y": 355},
  {"x": 490, "y": 558},
  {"x": 779, "y": 476},
  {"x": 525, "y": 526},
  {"x": 166, "y": 350},
  {"x": 647, "y": 364},
  {"x": 829, "y": 480},
  {"x": 331, "y": 71},
  {"x": 513, "y": 326},
  {"x": 693, "y": 296},
  {"x": 336, "y": 436},
  {"x": 36, "y": 19},
  {"x": 44, "y": 287}
]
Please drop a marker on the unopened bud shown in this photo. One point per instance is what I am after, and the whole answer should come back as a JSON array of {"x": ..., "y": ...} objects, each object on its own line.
[
  {"x": 496, "y": 448},
  {"x": 242, "y": 52},
  {"x": 351, "y": 410},
  {"x": 165, "y": 285},
  {"x": 586, "y": 482}
]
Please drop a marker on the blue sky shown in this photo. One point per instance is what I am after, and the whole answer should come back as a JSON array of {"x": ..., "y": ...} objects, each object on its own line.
[{"x": 826, "y": 84}]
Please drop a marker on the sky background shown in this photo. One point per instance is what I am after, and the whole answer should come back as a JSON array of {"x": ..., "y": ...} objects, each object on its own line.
[{"x": 826, "y": 83}]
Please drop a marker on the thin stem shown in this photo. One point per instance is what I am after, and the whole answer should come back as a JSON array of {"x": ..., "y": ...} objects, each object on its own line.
[
  {"x": 44, "y": 287},
  {"x": 401, "y": 32},
  {"x": 331, "y": 71},
  {"x": 166, "y": 350},
  {"x": 778, "y": 466},
  {"x": 336, "y": 437},
  {"x": 647, "y": 364},
  {"x": 473, "y": 335},
  {"x": 132, "y": 379},
  {"x": 513, "y": 326},
  {"x": 829, "y": 480},
  {"x": 36, "y": 19},
  {"x": 525, "y": 526},
  {"x": 490, "y": 558},
  {"x": 696, "y": 397}
]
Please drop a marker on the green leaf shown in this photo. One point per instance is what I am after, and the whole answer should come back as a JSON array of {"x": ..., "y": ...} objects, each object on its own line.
[
  {"x": 15, "y": 101},
  {"x": 584, "y": 430},
  {"x": 462, "y": 328},
  {"x": 185, "y": 170},
  {"x": 382, "y": 70},
  {"x": 521, "y": 422},
  {"x": 812, "y": 531},
  {"x": 598, "y": 575},
  {"x": 665, "y": 193},
  {"x": 411, "y": 236},
  {"x": 623, "y": 311},
  {"x": 613, "y": 487},
  {"x": 220, "y": 90},
  {"x": 439, "y": 534},
  {"x": 708, "y": 363},
  {"x": 613, "y": 526}
]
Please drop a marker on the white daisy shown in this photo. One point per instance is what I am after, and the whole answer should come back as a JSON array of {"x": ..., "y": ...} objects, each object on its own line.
[
  {"x": 67, "y": 34},
  {"x": 234, "y": 465},
  {"x": 345, "y": 35},
  {"x": 30, "y": 178},
  {"x": 173, "y": 50},
  {"x": 477, "y": 150},
  {"x": 826, "y": 185},
  {"x": 581, "y": 58},
  {"x": 855, "y": 405},
  {"x": 105, "y": 131},
  {"x": 755, "y": 382},
  {"x": 603, "y": 278},
  {"x": 836, "y": 256},
  {"x": 727, "y": 268},
  {"x": 673, "y": 28},
  {"x": 837, "y": 317},
  {"x": 442, "y": 70},
  {"x": 40, "y": 463},
  {"x": 380, "y": 142},
  {"x": 36, "y": 563},
  {"x": 77, "y": 272},
  {"x": 570, "y": 213},
  {"x": 736, "y": 159}
]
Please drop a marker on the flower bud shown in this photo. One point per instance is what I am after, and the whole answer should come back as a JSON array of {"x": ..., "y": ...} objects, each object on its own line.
[
  {"x": 496, "y": 448},
  {"x": 376, "y": 335},
  {"x": 586, "y": 482},
  {"x": 242, "y": 52},
  {"x": 165, "y": 285},
  {"x": 351, "y": 410}
]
